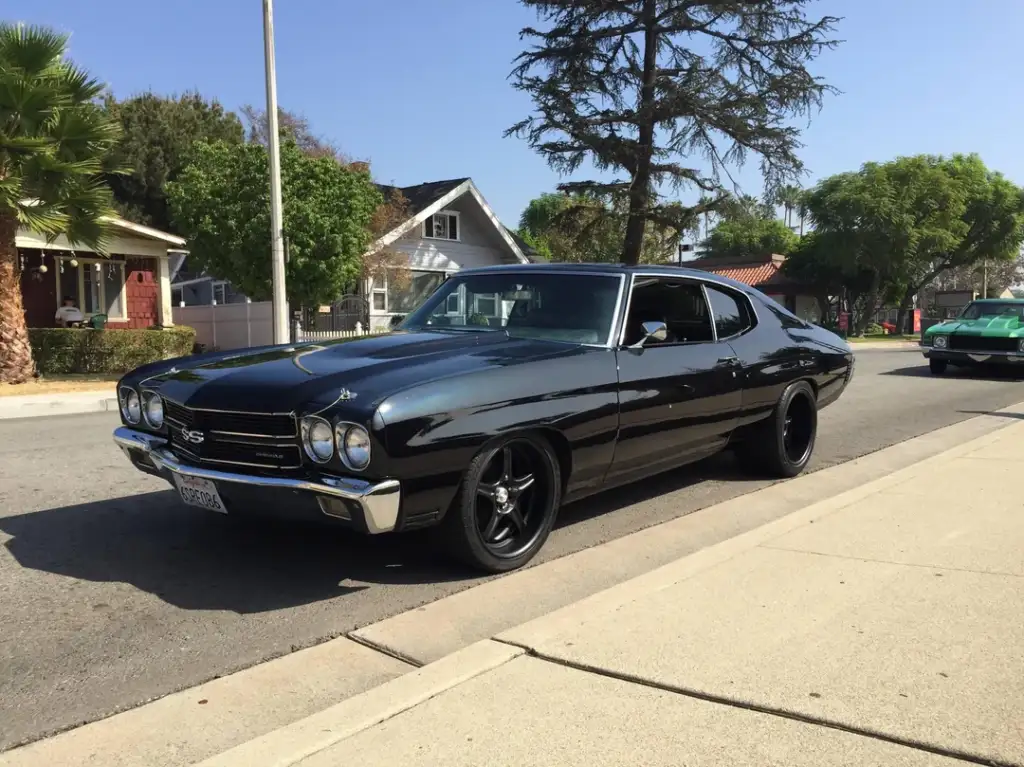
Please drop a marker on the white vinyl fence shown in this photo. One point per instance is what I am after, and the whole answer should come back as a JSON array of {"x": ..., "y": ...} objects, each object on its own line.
[{"x": 240, "y": 326}]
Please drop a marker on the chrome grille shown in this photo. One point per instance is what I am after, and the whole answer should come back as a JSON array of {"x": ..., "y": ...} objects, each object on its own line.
[
  {"x": 982, "y": 343},
  {"x": 240, "y": 439}
]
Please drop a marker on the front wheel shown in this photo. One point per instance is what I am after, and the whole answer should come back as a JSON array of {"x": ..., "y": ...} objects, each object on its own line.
[
  {"x": 783, "y": 444},
  {"x": 506, "y": 505},
  {"x": 938, "y": 367}
]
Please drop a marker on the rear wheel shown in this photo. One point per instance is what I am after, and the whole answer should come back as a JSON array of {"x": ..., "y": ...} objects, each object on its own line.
[
  {"x": 506, "y": 505},
  {"x": 938, "y": 367},
  {"x": 782, "y": 445}
]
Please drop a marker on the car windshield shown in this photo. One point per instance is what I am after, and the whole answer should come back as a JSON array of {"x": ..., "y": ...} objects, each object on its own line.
[
  {"x": 548, "y": 305},
  {"x": 992, "y": 309}
]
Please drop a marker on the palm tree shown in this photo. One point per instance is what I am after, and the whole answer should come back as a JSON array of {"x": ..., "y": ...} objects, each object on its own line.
[
  {"x": 54, "y": 139},
  {"x": 789, "y": 198}
]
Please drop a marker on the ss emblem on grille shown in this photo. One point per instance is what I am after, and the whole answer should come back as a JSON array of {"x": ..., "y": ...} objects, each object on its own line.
[{"x": 194, "y": 436}]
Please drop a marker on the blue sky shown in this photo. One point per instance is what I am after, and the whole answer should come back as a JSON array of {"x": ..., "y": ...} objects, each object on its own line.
[{"x": 421, "y": 89}]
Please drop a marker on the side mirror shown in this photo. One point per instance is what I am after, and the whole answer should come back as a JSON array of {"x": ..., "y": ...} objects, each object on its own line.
[{"x": 657, "y": 331}]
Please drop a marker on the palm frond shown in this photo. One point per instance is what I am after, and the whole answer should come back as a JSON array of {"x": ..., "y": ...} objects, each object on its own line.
[{"x": 30, "y": 50}]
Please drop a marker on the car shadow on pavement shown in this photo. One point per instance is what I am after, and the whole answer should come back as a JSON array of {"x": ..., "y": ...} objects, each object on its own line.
[
  {"x": 198, "y": 560},
  {"x": 965, "y": 373},
  {"x": 718, "y": 468}
]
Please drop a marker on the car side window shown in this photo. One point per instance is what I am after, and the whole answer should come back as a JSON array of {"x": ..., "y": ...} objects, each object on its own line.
[
  {"x": 678, "y": 303},
  {"x": 731, "y": 314}
]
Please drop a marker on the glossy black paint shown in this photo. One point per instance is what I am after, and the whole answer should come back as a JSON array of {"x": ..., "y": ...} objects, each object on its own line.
[{"x": 433, "y": 399}]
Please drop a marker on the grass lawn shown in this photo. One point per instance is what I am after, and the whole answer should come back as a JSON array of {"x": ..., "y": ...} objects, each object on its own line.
[{"x": 61, "y": 385}]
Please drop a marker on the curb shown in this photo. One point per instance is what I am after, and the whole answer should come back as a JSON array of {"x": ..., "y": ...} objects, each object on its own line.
[
  {"x": 44, "y": 405},
  {"x": 293, "y": 743},
  {"x": 901, "y": 345}
]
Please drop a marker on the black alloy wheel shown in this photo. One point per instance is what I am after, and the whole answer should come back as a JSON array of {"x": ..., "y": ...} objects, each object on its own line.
[
  {"x": 782, "y": 445},
  {"x": 937, "y": 367},
  {"x": 507, "y": 504},
  {"x": 798, "y": 429}
]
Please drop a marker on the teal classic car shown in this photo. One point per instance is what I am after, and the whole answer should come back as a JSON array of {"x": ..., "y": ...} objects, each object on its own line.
[{"x": 988, "y": 332}]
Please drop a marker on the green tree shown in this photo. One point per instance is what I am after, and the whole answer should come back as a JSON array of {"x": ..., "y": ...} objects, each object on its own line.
[
  {"x": 157, "y": 134},
  {"x": 907, "y": 221},
  {"x": 582, "y": 227},
  {"x": 988, "y": 228},
  {"x": 221, "y": 202},
  {"x": 54, "y": 149},
  {"x": 750, "y": 237},
  {"x": 643, "y": 88}
]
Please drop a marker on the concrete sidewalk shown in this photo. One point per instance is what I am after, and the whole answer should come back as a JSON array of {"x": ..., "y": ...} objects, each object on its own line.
[
  {"x": 884, "y": 626},
  {"x": 57, "y": 403}
]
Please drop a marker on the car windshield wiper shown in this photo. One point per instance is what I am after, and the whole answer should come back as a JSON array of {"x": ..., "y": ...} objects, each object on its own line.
[{"x": 463, "y": 328}]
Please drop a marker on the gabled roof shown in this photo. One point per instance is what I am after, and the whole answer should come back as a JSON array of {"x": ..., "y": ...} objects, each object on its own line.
[
  {"x": 428, "y": 198},
  {"x": 424, "y": 195}
]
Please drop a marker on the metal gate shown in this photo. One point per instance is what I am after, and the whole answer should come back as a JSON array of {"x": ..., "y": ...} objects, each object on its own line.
[{"x": 344, "y": 315}]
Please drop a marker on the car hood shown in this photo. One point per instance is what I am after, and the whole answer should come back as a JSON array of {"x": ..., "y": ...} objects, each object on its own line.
[
  {"x": 307, "y": 377},
  {"x": 1001, "y": 327}
]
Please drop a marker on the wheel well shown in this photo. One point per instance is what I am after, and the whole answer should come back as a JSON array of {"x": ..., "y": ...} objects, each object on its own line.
[
  {"x": 560, "y": 444},
  {"x": 814, "y": 386}
]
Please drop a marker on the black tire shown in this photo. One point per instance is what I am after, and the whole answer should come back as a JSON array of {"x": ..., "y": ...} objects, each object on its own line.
[
  {"x": 938, "y": 367},
  {"x": 782, "y": 445},
  {"x": 493, "y": 527}
]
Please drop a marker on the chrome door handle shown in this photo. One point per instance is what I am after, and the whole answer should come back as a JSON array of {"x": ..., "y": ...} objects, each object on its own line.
[{"x": 730, "y": 361}]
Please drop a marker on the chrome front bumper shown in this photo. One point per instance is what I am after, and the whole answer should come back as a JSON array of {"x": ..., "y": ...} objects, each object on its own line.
[
  {"x": 952, "y": 354},
  {"x": 379, "y": 502}
]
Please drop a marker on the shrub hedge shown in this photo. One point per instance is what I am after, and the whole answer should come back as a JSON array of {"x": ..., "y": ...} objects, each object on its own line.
[{"x": 74, "y": 350}]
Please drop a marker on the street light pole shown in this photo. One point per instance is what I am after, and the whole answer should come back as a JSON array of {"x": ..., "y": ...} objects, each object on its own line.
[{"x": 282, "y": 334}]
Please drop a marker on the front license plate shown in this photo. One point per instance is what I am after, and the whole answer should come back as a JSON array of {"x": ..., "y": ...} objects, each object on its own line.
[{"x": 199, "y": 492}]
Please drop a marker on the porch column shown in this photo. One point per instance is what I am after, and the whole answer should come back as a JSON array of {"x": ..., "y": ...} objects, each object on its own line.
[{"x": 164, "y": 315}]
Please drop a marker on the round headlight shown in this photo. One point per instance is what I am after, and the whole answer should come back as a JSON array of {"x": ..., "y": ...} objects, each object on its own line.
[
  {"x": 317, "y": 439},
  {"x": 354, "y": 446},
  {"x": 940, "y": 342},
  {"x": 131, "y": 408},
  {"x": 1020, "y": 346},
  {"x": 154, "y": 410}
]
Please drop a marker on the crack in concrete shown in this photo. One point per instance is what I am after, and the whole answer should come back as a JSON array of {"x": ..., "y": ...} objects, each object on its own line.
[{"x": 777, "y": 712}]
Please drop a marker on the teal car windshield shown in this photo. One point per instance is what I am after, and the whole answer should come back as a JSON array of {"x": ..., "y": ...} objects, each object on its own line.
[{"x": 979, "y": 309}]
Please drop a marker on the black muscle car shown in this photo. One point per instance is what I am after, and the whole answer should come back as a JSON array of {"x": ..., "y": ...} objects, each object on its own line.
[{"x": 510, "y": 391}]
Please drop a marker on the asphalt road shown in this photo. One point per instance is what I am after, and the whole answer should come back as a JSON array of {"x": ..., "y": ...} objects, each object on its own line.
[{"x": 112, "y": 593}]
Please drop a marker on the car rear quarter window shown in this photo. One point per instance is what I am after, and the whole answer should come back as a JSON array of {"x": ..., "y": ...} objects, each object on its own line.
[{"x": 730, "y": 311}]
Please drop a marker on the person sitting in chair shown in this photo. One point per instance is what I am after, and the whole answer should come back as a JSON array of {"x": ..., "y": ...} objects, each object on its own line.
[{"x": 68, "y": 315}]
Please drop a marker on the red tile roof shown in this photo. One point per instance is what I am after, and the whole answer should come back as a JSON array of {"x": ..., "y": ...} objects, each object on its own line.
[{"x": 753, "y": 275}]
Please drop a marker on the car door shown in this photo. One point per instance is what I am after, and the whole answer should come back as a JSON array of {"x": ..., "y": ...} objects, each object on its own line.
[{"x": 679, "y": 398}]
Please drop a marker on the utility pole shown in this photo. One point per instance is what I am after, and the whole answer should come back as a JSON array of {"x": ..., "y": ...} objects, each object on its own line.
[
  {"x": 282, "y": 334},
  {"x": 984, "y": 284}
]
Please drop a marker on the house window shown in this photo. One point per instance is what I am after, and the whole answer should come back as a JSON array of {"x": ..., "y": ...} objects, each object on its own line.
[
  {"x": 219, "y": 293},
  {"x": 96, "y": 285},
  {"x": 421, "y": 285},
  {"x": 453, "y": 304},
  {"x": 380, "y": 300},
  {"x": 487, "y": 305},
  {"x": 442, "y": 226}
]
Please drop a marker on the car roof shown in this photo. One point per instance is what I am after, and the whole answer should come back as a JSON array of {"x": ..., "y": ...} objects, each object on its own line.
[
  {"x": 659, "y": 270},
  {"x": 998, "y": 301}
]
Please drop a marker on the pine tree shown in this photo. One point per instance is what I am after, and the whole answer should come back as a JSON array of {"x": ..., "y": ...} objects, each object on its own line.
[{"x": 652, "y": 88}]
